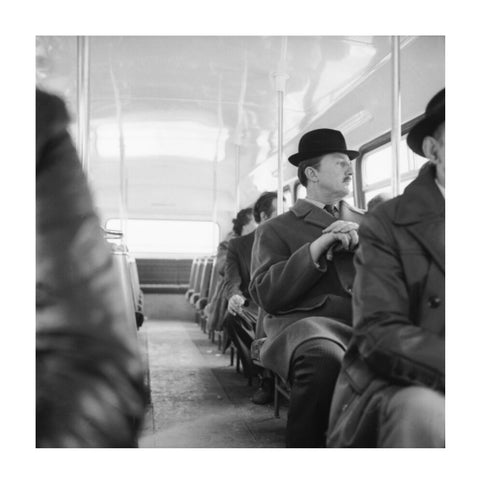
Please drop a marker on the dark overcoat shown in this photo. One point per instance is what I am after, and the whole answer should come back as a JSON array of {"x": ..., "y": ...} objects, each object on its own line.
[
  {"x": 399, "y": 311},
  {"x": 303, "y": 300},
  {"x": 237, "y": 269},
  {"x": 89, "y": 373}
]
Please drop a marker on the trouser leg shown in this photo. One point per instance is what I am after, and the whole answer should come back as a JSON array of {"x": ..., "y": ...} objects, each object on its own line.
[
  {"x": 414, "y": 417},
  {"x": 242, "y": 334},
  {"x": 313, "y": 372}
]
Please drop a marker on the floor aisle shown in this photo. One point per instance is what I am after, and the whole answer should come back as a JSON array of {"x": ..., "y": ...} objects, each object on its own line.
[{"x": 198, "y": 399}]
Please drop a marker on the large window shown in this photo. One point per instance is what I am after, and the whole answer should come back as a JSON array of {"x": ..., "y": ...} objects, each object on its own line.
[
  {"x": 168, "y": 237},
  {"x": 287, "y": 194},
  {"x": 300, "y": 191},
  {"x": 377, "y": 169}
]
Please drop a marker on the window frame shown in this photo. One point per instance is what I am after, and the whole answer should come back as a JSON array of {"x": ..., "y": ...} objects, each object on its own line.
[
  {"x": 295, "y": 190},
  {"x": 288, "y": 189},
  {"x": 164, "y": 254},
  {"x": 365, "y": 149}
]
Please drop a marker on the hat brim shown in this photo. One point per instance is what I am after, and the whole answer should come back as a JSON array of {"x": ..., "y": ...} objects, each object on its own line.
[
  {"x": 424, "y": 127},
  {"x": 297, "y": 158}
]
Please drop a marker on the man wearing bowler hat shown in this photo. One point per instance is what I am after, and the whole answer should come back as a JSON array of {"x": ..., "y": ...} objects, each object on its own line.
[
  {"x": 391, "y": 390},
  {"x": 302, "y": 275}
]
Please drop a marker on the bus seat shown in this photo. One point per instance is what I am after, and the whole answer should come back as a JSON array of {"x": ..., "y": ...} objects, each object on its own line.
[{"x": 121, "y": 263}]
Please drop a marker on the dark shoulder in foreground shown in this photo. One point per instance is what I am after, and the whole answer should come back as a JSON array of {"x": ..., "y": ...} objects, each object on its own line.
[
  {"x": 242, "y": 241},
  {"x": 421, "y": 199}
]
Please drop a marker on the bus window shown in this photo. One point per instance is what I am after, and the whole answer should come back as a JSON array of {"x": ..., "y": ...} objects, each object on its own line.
[
  {"x": 287, "y": 194},
  {"x": 377, "y": 169},
  {"x": 168, "y": 237},
  {"x": 300, "y": 191}
]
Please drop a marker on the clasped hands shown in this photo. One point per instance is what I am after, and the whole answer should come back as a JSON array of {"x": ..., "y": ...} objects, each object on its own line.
[{"x": 340, "y": 235}]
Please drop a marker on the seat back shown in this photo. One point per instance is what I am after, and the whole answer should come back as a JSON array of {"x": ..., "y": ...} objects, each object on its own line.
[
  {"x": 206, "y": 277},
  {"x": 120, "y": 260}
]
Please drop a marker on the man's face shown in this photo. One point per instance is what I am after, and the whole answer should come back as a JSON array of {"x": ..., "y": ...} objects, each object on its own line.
[
  {"x": 249, "y": 227},
  {"x": 434, "y": 149},
  {"x": 264, "y": 216},
  {"x": 440, "y": 139},
  {"x": 335, "y": 175}
]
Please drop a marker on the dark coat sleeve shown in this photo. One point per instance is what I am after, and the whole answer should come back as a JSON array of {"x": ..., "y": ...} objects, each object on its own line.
[
  {"x": 222, "y": 257},
  {"x": 279, "y": 277},
  {"x": 393, "y": 345},
  {"x": 89, "y": 375},
  {"x": 233, "y": 278}
]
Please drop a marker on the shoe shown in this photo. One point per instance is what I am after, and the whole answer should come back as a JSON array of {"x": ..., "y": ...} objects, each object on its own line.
[{"x": 264, "y": 394}]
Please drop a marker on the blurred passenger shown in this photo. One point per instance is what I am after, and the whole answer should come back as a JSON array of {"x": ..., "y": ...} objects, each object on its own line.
[
  {"x": 215, "y": 311},
  {"x": 302, "y": 271},
  {"x": 243, "y": 312},
  {"x": 376, "y": 200},
  {"x": 391, "y": 391},
  {"x": 89, "y": 376}
]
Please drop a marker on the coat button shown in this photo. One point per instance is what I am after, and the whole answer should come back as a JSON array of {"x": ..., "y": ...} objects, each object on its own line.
[{"x": 434, "y": 302}]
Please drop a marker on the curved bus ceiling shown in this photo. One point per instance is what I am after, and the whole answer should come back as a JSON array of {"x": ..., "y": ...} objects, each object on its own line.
[{"x": 184, "y": 104}]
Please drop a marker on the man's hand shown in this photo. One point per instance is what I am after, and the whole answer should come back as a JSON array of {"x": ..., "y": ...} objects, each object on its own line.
[
  {"x": 348, "y": 228},
  {"x": 340, "y": 235},
  {"x": 235, "y": 304}
]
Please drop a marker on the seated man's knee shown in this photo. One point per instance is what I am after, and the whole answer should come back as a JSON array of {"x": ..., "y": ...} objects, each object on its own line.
[
  {"x": 413, "y": 417},
  {"x": 317, "y": 359}
]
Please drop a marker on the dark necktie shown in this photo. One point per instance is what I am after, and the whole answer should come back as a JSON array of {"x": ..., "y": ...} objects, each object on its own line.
[{"x": 330, "y": 209}]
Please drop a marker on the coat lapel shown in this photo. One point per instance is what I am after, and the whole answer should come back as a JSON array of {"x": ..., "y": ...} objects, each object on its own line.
[
  {"x": 422, "y": 211},
  {"x": 431, "y": 235},
  {"x": 312, "y": 214}
]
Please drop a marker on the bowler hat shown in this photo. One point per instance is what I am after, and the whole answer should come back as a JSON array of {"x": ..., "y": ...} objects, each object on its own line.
[
  {"x": 319, "y": 142},
  {"x": 434, "y": 116}
]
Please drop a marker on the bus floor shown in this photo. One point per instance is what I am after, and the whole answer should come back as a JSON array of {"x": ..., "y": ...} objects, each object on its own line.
[{"x": 197, "y": 399}]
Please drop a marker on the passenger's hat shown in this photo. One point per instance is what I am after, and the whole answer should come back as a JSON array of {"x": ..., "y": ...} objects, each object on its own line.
[
  {"x": 433, "y": 117},
  {"x": 319, "y": 142}
]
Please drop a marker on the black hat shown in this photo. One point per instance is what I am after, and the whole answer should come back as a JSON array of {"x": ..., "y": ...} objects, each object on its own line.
[
  {"x": 319, "y": 142},
  {"x": 433, "y": 117}
]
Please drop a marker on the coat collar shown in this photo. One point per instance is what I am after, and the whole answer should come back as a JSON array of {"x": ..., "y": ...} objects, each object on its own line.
[
  {"x": 421, "y": 209},
  {"x": 421, "y": 200},
  {"x": 312, "y": 214},
  {"x": 316, "y": 216}
]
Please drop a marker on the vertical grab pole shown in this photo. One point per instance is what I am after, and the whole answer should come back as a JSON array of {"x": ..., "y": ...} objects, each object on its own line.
[
  {"x": 123, "y": 175},
  {"x": 396, "y": 134},
  {"x": 83, "y": 100},
  {"x": 280, "y": 95},
  {"x": 239, "y": 129},
  {"x": 215, "y": 160},
  {"x": 280, "y": 81},
  {"x": 237, "y": 178}
]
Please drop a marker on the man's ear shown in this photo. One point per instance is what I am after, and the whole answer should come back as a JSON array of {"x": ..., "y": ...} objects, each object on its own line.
[
  {"x": 430, "y": 148},
  {"x": 263, "y": 216},
  {"x": 311, "y": 174}
]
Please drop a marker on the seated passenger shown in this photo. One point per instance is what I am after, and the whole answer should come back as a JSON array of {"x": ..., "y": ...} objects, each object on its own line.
[
  {"x": 242, "y": 316},
  {"x": 89, "y": 375},
  {"x": 215, "y": 311},
  {"x": 391, "y": 390},
  {"x": 302, "y": 271}
]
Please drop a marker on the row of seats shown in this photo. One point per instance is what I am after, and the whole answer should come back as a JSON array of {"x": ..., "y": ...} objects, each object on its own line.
[
  {"x": 128, "y": 275},
  {"x": 133, "y": 297},
  {"x": 203, "y": 282}
]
